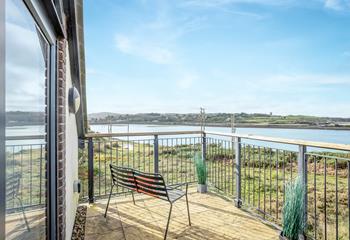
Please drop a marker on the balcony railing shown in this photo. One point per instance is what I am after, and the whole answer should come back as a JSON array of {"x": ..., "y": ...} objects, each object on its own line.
[
  {"x": 29, "y": 161},
  {"x": 251, "y": 170}
]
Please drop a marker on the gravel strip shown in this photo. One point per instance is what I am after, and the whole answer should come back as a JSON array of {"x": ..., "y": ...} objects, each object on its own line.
[{"x": 79, "y": 225}]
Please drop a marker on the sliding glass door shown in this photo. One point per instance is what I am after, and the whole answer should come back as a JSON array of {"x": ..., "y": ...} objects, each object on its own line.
[{"x": 26, "y": 150}]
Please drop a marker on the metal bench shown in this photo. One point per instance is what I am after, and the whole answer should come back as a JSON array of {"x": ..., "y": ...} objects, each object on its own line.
[{"x": 151, "y": 184}]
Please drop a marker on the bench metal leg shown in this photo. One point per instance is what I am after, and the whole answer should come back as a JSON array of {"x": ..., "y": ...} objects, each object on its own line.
[
  {"x": 24, "y": 214},
  {"x": 188, "y": 211},
  {"x": 109, "y": 198},
  {"x": 133, "y": 198},
  {"x": 167, "y": 225}
]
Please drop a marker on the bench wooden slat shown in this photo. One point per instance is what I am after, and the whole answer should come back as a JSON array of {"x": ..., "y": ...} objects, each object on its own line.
[
  {"x": 117, "y": 180},
  {"x": 150, "y": 186},
  {"x": 149, "y": 181},
  {"x": 123, "y": 177},
  {"x": 151, "y": 176},
  {"x": 121, "y": 169},
  {"x": 151, "y": 192}
]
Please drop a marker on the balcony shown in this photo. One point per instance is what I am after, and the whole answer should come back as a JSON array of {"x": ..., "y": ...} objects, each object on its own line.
[
  {"x": 212, "y": 216},
  {"x": 244, "y": 171}
]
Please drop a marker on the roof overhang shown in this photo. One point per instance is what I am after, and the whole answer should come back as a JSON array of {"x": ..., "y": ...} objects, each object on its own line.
[
  {"x": 54, "y": 12},
  {"x": 75, "y": 36}
]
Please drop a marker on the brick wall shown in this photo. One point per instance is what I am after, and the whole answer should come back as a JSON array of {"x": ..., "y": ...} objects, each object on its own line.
[{"x": 61, "y": 136}]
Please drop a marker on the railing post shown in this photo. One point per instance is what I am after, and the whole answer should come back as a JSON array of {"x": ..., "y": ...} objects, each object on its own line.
[
  {"x": 237, "y": 144},
  {"x": 302, "y": 172},
  {"x": 204, "y": 147},
  {"x": 156, "y": 154},
  {"x": 91, "y": 170}
]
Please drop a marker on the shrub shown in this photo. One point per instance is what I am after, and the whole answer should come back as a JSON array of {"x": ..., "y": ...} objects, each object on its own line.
[
  {"x": 201, "y": 169},
  {"x": 293, "y": 210}
]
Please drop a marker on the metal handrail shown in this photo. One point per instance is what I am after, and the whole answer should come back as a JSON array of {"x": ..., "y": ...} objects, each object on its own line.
[
  {"x": 335, "y": 146},
  {"x": 140, "y": 134},
  {"x": 26, "y": 137},
  {"x": 326, "y": 145}
]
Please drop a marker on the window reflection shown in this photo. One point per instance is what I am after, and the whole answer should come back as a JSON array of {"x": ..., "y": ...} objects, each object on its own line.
[{"x": 26, "y": 77}]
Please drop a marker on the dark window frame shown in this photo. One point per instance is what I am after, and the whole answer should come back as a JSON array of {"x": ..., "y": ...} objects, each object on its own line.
[
  {"x": 2, "y": 121},
  {"x": 47, "y": 20}
]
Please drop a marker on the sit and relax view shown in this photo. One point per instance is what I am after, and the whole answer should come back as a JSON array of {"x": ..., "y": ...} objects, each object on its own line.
[{"x": 174, "y": 119}]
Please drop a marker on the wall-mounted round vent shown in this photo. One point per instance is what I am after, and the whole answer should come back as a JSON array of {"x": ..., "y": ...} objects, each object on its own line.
[{"x": 73, "y": 100}]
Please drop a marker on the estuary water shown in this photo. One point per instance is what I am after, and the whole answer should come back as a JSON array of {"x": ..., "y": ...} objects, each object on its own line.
[{"x": 331, "y": 136}]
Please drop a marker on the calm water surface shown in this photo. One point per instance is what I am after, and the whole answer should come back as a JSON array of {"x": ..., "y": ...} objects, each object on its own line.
[{"x": 332, "y": 136}]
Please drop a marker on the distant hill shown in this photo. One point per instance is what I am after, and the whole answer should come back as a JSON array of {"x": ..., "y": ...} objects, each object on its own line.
[
  {"x": 223, "y": 119},
  {"x": 18, "y": 118},
  {"x": 101, "y": 115}
]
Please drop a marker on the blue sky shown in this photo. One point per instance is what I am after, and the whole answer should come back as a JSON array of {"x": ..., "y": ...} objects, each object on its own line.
[{"x": 280, "y": 56}]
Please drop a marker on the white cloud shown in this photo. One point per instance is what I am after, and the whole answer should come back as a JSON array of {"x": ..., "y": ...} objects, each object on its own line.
[
  {"x": 146, "y": 50},
  {"x": 338, "y": 5},
  {"x": 333, "y": 4},
  {"x": 25, "y": 69},
  {"x": 16, "y": 13}
]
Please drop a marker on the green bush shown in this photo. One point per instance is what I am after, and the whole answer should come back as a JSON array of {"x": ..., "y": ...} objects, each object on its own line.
[
  {"x": 293, "y": 210},
  {"x": 201, "y": 169}
]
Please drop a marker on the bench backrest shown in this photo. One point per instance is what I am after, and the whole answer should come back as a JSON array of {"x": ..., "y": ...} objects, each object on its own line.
[
  {"x": 151, "y": 184},
  {"x": 12, "y": 185},
  {"x": 123, "y": 177},
  {"x": 148, "y": 183}
]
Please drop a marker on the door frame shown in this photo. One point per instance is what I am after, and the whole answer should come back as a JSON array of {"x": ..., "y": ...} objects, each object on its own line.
[
  {"x": 2, "y": 121},
  {"x": 45, "y": 16}
]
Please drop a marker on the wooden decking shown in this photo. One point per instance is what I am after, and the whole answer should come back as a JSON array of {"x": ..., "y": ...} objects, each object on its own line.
[{"x": 212, "y": 216}]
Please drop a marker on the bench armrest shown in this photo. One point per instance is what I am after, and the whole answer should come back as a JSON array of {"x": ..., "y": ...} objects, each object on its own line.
[{"x": 175, "y": 186}]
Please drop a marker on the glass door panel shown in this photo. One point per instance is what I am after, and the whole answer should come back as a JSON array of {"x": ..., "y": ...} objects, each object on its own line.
[{"x": 27, "y": 54}]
